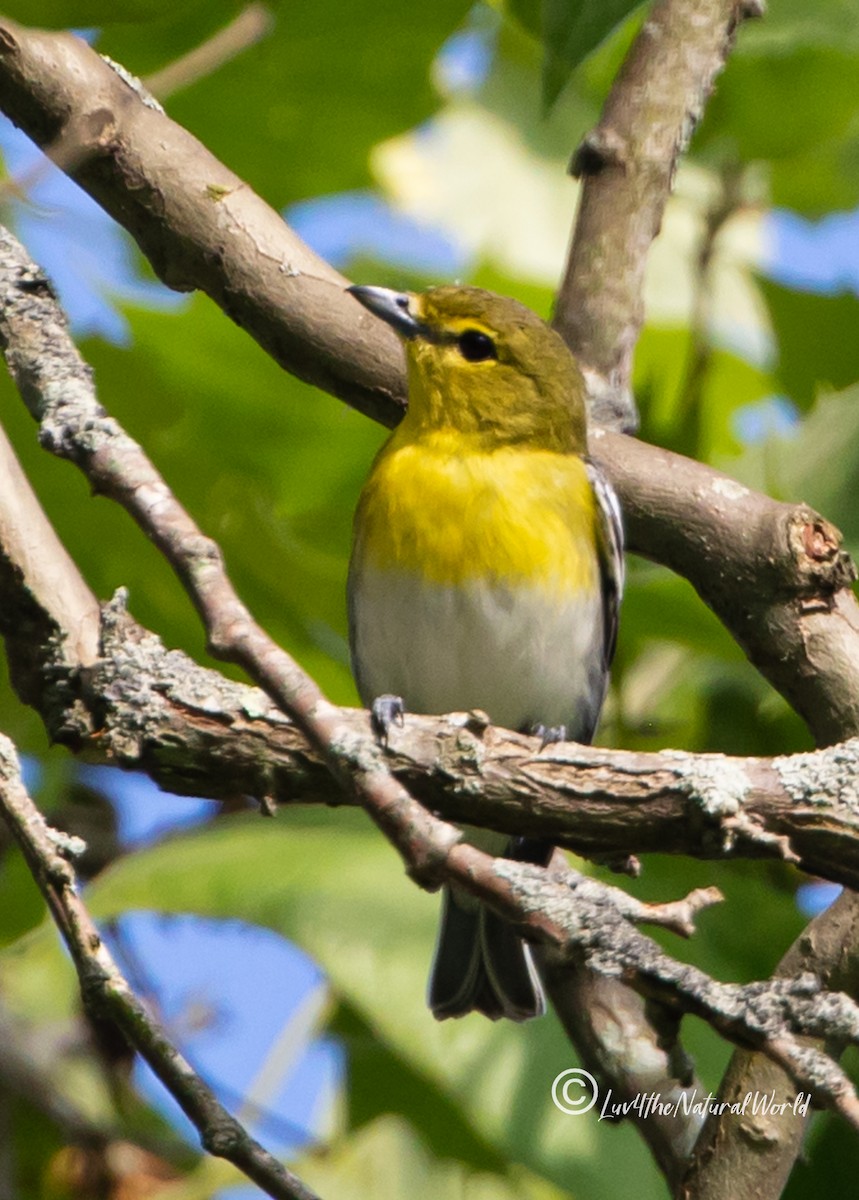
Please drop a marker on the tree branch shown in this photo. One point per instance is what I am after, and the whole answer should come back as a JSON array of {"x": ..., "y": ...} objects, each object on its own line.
[
  {"x": 199, "y": 225},
  {"x": 202, "y": 228},
  {"x": 193, "y": 243},
  {"x": 577, "y": 915},
  {"x": 627, "y": 163},
  {"x": 248, "y": 27},
  {"x": 775, "y": 574},
  {"x": 108, "y": 996},
  {"x": 48, "y": 611},
  {"x": 759, "y": 1148},
  {"x": 57, "y": 387},
  {"x": 632, "y": 1048},
  {"x": 237, "y": 252},
  {"x": 197, "y": 733},
  {"x": 583, "y": 921},
  {"x": 586, "y": 921}
]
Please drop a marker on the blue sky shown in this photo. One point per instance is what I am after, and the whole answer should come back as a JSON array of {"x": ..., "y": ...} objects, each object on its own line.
[{"x": 232, "y": 995}]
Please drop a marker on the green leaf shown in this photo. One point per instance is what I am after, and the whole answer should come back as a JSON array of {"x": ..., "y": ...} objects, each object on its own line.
[
  {"x": 679, "y": 679},
  {"x": 821, "y": 462},
  {"x": 571, "y": 31},
  {"x": 21, "y": 904},
  {"x": 528, "y": 13},
  {"x": 663, "y": 360},
  {"x": 39, "y": 981},
  {"x": 796, "y": 25},
  {"x": 381, "y": 1081},
  {"x": 828, "y": 1153},
  {"x": 798, "y": 110},
  {"x": 297, "y": 114},
  {"x": 823, "y": 179},
  {"x": 787, "y": 99},
  {"x": 512, "y": 90},
  {"x": 817, "y": 344},
  {"x": 757, "y": 88}
]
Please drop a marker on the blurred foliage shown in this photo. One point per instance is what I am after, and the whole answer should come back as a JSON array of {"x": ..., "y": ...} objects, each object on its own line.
[
  {"x": 816, "y": 338},
  {"x": 475, "y": 1089},
  {"x": 297, "y": 113},
  {"x": 330, "y": 101},
  {"x": 568, "y": 33},
  {"x": 78, "y": 14}
]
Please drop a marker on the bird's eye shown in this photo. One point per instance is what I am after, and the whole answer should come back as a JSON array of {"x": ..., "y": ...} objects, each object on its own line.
[{"x": 475, "y": 346}]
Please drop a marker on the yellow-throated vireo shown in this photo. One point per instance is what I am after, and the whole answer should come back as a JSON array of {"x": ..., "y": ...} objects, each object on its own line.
[{"x": 486, "y": 573}]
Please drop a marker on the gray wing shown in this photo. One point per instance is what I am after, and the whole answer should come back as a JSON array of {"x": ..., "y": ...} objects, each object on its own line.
[{"x": 610, "y": 529}]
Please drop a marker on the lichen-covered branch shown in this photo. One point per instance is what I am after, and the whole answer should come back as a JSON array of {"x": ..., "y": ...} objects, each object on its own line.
[
  {"x": 195, "y": 732},
  {"x": 580, "y": 917},
  {"x": 108, "y": 996},
  {"x": 593, "y": 930},
  {"x": 760, "y": 1148},
  {"x": 198, "y": 733}
]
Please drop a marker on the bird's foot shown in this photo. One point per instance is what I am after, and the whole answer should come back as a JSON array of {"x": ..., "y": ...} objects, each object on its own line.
[
  {"x": 386, "y": 711},
  {"x": 549, "y": 735}
]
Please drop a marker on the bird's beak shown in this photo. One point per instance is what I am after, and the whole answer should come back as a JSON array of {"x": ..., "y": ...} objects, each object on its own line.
[{"x": 391, "y": 306}]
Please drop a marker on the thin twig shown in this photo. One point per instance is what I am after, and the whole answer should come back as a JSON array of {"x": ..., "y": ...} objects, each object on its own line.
[
  {"x": 108, "y": 996},
  {"x": 700, "y": 355},
  {"x": 247, "y": 28}
]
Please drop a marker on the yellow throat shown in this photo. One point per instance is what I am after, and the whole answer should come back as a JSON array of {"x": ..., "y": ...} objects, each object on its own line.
[{"x": 484, "y": 478}]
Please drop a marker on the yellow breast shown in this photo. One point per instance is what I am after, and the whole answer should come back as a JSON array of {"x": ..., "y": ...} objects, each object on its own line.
[{"x": 450, "y": 510}]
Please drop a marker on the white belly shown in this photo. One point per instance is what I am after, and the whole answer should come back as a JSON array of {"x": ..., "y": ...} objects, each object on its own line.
[{"x": 517, "y": 653}]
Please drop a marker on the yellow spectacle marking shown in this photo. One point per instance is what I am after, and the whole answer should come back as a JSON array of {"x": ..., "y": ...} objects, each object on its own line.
[{"x": 456, "y": 325}]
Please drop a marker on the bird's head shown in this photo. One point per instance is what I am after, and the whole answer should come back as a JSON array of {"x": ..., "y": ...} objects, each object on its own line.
[{"x": 485, "y": 365}]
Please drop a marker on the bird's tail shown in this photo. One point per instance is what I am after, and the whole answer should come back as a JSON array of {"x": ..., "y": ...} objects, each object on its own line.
[{"x": 482, "y": 965}]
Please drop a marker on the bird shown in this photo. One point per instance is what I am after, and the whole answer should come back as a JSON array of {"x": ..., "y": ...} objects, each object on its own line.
[{"x": 486, "y": 574}]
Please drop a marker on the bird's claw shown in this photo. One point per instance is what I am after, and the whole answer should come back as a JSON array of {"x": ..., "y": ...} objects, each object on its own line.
[
  {"x": 385, "y": 712},
  {"x": 549, "y": 735}
]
